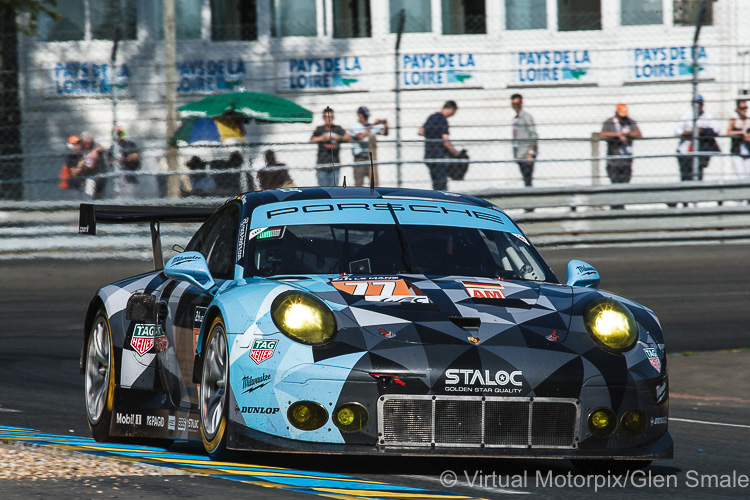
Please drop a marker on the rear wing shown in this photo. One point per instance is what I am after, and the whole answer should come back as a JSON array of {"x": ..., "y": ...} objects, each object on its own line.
[{"x": 91, "y": 215}]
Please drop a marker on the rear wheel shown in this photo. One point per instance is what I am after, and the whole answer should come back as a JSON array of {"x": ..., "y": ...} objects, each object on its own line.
[
  {"x": 100, "y": 380},
  {"x": 213, "y": 391}
]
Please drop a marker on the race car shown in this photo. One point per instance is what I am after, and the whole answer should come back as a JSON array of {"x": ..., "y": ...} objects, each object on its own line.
[{"x": 370, "y": 321}]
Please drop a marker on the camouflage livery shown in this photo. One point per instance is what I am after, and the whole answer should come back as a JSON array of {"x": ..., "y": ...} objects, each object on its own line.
[{"x": 443, "y": 363}]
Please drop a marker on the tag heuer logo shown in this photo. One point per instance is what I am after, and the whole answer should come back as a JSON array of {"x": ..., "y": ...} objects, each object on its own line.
[
  {"x": 143, "y": 338},
  {"x": 262, "y": 350}
]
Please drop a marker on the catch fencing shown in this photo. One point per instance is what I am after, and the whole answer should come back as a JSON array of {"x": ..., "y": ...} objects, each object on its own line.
[
  {"x": 568, "y": 162},
  {"x": 105, "y": 64}
]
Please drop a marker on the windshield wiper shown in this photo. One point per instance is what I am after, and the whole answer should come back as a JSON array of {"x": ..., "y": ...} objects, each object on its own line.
[{"x": 406, "y": 257}]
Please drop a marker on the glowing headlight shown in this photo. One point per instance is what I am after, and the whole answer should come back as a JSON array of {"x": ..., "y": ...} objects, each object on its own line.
[
  {"x": 303, "y": 318},
  {"x": 611, "y": 324}
]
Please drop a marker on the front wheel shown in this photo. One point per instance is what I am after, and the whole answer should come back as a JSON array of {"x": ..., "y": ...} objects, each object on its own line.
[
  {"x": 213, "y": 391},
  {"x": 100, "y": 380}
]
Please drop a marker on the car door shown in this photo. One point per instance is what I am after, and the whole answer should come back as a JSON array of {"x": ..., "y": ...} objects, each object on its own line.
[{"x": 182, "y": 306}]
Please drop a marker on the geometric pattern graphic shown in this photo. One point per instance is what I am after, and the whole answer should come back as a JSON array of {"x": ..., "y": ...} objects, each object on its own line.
[
  {"x": 397, "y": 335},
  {"x": 316, "y": 483}
]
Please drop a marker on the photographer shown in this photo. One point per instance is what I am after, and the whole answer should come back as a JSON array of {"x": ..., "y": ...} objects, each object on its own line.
[{"x": 708, "y": 129}]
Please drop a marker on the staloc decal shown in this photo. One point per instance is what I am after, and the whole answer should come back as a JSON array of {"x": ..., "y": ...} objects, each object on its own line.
[{"x": 475, "y": 377}]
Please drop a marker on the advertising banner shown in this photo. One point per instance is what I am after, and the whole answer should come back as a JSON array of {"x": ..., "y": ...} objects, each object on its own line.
[
  {"x": 440, "y": 70},
  {"x": 210, "y": 76},
  {"x": 552, "y": 67},
  {"x": 651, "y": 64},
  {"x": 321, "y": 74},
  {"x": 87, "y": 78}
]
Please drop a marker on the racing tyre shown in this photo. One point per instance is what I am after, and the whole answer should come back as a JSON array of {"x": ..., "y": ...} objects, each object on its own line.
[
  {"x": 100, "y": 379},
  {"x": 213, "y": 391}
]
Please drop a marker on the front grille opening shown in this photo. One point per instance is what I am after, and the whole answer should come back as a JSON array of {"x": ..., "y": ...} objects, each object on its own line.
[
  {"x": 506, "y": 423},
  {"x": 474, "y": 421},
  {"x": 411, "y": 421},
  {"x": 456, "y": 422}
]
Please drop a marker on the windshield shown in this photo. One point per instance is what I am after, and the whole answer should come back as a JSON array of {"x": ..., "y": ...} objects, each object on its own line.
[{"x": 377, "y": 249}]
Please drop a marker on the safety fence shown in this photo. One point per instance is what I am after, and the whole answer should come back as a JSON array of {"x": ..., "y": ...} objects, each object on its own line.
[
  {"x": 206, "y": 170},
  {"x": 628, "y": 214}
]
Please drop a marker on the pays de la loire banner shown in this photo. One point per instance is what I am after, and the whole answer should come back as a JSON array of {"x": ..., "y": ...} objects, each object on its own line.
[
  {"x": 211, "y": 76},
  {"x": 87, "y": 78},
  {"x": 439, "y": 70},
  {"x": 552, "y": 67},
  {"x": 318, "y": 74},
  {"x": 650, "y": 64}
]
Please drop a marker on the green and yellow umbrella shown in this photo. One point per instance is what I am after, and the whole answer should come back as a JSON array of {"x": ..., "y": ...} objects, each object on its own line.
[{"x": 261, "y": 107}]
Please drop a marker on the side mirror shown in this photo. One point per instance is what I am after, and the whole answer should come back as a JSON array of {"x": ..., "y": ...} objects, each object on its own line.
[
  {"x": 191, "y": 267},
  {"x": 580, "y": 273}
]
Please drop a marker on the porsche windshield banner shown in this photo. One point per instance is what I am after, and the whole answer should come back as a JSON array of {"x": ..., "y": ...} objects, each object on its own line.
[{"x": 355, "y": 211}]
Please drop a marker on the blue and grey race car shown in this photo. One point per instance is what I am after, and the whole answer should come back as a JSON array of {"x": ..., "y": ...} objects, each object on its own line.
[{"x": 361, "y": 321}]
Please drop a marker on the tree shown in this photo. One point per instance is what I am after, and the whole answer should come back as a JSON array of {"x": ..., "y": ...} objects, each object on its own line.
[{"x": 11, "y": 163}]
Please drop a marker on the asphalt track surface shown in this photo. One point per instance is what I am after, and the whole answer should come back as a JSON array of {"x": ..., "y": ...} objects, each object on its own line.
[{"x": 700, "y": 293}]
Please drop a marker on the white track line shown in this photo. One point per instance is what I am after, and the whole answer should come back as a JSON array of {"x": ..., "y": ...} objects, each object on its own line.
[{"x": 671, "y": 419}]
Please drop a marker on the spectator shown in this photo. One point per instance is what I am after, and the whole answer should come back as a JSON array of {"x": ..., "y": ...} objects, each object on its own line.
[
  {"x": 228, "y": 184},
  {"x": 619, "y": 132},
  {"x": 524, "y": 139},
  {"x": 90, "y": 165},
  {"x": 199, "y": 183},
  {"x": 67, "y": 180},
  {"x": 708, "y": 129},
  {"x": 739, "y": 130},
  {"x": 438, "y": 144},
  {"x": 364, "y": 133},
  {"x": 329, "y": 138},
  {"x": 274, "y": 175},
  {"x": 125, "y": 158}
]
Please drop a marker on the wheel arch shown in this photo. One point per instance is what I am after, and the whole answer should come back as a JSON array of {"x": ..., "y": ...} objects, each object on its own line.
[
  {"x": 211, "y": 314},
  {"x": 95, "y": 305}
]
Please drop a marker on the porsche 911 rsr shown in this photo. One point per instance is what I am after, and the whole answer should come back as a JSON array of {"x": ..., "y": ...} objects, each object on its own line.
[{"x": 358, "y": 321}]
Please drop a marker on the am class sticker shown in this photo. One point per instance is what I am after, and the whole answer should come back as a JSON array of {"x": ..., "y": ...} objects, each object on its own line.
[{"x": 484, "y": 290}]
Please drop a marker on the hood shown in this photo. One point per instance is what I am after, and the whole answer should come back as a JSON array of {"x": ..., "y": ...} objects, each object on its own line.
[{"x": 447, "y": 310}]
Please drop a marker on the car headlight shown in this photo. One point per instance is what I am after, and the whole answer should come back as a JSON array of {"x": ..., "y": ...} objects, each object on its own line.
[
  {"x": 303, "y": 318},
  {"x": 611, "y": 324}
]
